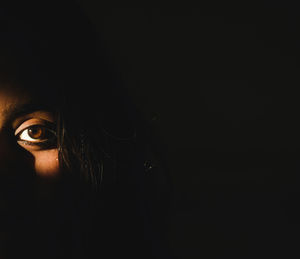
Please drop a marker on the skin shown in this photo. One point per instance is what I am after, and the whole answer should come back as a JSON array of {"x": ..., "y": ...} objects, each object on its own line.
[
  {"x": 26, "y": 167},
  {"x": 43, "y": 161}
]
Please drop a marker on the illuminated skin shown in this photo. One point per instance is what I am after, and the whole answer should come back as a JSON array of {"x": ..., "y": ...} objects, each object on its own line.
[
  {"x": 33, "y": 131},
  {"x": 28, "y": 159}
]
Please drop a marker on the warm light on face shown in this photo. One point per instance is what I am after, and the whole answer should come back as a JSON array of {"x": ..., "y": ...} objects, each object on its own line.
[
  {"x": 37, "y": 135},
  {"x": 33, "y": 129}
]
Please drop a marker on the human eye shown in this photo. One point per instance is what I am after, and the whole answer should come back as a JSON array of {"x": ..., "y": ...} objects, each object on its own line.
[{"x": 37, "y": 135}]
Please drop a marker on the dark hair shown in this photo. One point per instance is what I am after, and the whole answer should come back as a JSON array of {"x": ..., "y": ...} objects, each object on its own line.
[
  {"x": 64, "y": 56},
  {"x": 102, "y": 138}
]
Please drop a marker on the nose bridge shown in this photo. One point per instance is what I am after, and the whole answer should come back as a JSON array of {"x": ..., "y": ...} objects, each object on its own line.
[
  {"x": 11, "y": 157},
  {"x": 5, "y": 148},
  {"x": 15, "y": 168},
  {"x": 16, "y": 180},
  {"x": 8, "y": 158}
]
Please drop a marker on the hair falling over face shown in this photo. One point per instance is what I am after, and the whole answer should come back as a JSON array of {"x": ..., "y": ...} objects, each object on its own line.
[{"x": 72, "y": 144}]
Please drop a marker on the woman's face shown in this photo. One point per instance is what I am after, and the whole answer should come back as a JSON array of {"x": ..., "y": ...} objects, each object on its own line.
[
  {"x": 27, "y": 134},
  {"x": 29, "y": 166}
]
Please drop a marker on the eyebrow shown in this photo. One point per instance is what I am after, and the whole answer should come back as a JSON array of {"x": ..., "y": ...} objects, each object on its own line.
[{"x": 14, "y": 112}]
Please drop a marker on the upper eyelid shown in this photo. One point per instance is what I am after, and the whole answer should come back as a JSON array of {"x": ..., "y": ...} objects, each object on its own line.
[
  {"x": 38, "y": 121},
  {"x": 39, "y": 114},
  {"x": 20, "y": 123}
]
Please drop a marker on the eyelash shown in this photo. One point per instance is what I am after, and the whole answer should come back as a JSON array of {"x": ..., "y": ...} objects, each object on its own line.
[{"x": 44, "y": 143}]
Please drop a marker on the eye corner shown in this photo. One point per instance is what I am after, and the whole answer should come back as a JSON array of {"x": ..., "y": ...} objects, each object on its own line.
[{"x": 46, "y": 140}]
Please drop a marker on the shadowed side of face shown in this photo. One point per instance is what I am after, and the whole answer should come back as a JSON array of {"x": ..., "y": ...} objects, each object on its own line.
[
  {"x": 29, "y": 167},
  {"x": 27, "y": 133},
  {"x": 38, "y": 50}
]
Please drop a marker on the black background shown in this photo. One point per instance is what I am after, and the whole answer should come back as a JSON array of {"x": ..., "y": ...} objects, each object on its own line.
[{"x": 219, "y": 85}]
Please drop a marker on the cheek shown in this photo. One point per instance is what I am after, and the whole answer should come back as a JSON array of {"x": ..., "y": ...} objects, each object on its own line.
[{"x": 46, "y": 163}]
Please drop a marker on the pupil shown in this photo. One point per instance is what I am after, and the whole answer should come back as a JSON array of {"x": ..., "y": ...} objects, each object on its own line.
[{"x": 35, "y": 132}]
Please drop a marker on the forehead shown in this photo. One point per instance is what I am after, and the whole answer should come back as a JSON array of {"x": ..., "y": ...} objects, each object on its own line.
[
  {"x": 15, "y": 100},
  {"x": 13, "y": 93},
  {"x": 12, "y": 96}
]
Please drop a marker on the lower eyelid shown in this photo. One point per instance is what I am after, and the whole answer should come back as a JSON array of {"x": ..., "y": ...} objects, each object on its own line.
[
  {"x": 42, "y": 145},
  {"x": 24, "y": 142}
]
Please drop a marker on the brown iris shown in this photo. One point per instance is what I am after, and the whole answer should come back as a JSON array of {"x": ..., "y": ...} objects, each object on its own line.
[
  {"x": 36, "y": 132},
  {"x": 38, "y": 135}
]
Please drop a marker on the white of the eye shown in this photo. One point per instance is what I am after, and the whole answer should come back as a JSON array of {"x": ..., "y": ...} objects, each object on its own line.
[{"x": 24, "y": 136}]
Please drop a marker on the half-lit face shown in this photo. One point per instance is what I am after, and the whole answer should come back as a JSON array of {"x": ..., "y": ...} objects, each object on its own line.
[
  {"x": 29, "y": 166},
  {"x": 27, "y": 133}
]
